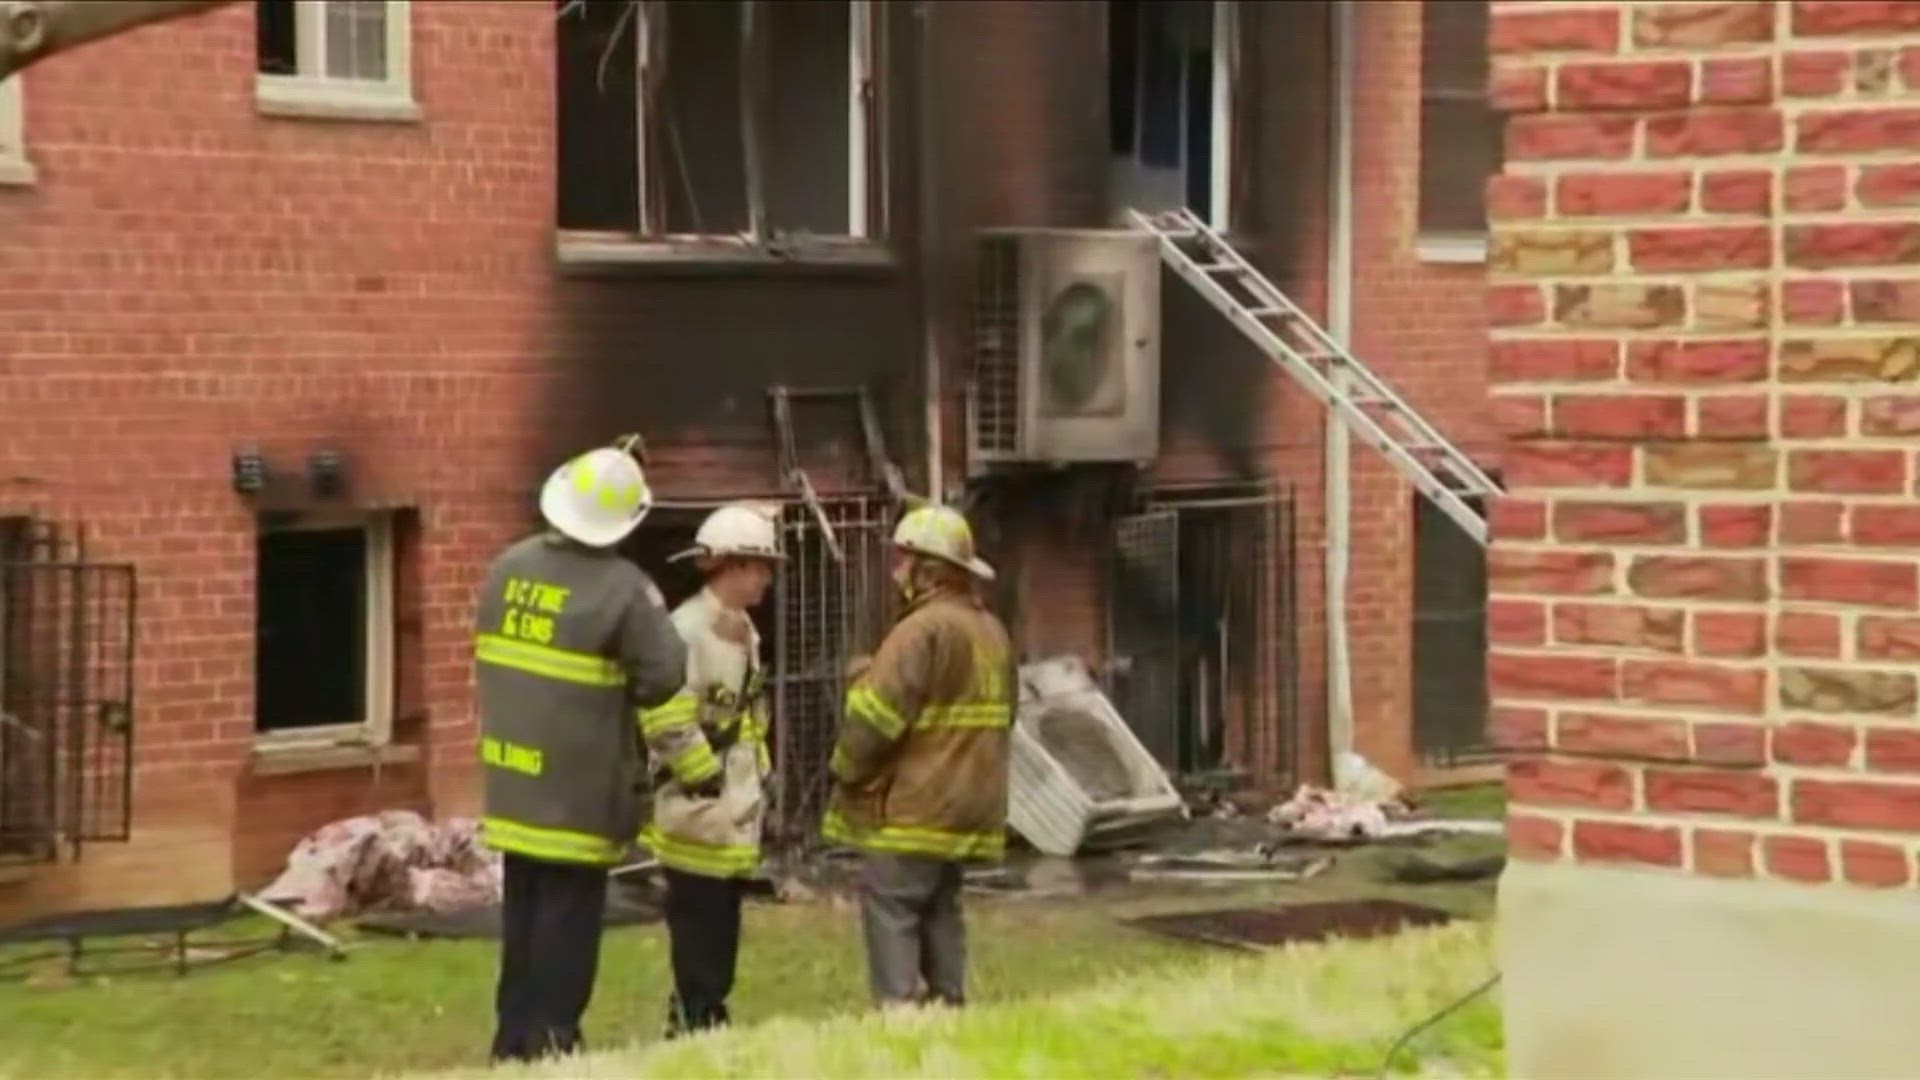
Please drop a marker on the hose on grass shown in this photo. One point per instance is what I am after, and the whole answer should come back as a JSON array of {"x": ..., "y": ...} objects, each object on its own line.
[{"x": 1386, "y": 1063}]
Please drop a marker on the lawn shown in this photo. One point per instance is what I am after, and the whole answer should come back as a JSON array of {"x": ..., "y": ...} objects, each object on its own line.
[
  {"x": 398, "y": 1007},
  {"x": 1324, "y": 1011}
]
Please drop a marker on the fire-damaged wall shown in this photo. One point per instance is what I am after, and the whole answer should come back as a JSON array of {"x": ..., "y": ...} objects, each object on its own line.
[{"x": 1022, "y": 114}]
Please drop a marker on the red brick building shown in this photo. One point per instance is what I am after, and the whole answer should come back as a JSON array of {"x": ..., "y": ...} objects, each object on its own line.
[
  {"x": 299, "y": 302},
  {"x": 1705, "y": 581}
]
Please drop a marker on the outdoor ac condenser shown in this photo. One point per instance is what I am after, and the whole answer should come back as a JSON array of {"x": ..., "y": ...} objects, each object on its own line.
[
  {"x": 1066, "y": 349},
  {"x": 1079, "y": 777}
]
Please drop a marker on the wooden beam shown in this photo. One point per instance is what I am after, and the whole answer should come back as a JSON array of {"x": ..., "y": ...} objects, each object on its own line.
[{"x": 32, "y": 30}]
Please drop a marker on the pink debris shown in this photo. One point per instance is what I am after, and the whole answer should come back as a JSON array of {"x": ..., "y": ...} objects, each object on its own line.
[
  {"x": 1319, "y": 814},
  {"x": 395, "y": 860}
]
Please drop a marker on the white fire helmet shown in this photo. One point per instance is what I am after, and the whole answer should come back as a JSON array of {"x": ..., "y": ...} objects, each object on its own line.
[
  {"x": 941, "y": 532},
  {"x": 737, "y": 530},
  {"x": 597, "y": 498}
]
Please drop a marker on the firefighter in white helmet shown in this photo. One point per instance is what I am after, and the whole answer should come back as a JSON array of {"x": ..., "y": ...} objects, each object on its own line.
[
  {"x": 921, "y": 761},
  {"x": 570, "y": 638},
  {"x": 709, "y": 750}
]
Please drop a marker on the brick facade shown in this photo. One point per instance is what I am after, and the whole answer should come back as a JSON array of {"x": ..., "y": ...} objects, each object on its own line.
[
  {"x": 195, "y": 276},
  {"x": 1705, "y": 578},
  {"x": 188, "y": 276}
]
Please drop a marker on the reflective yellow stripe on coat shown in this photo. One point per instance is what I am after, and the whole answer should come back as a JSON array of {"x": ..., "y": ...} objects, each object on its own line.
[
  {"x": 551, "y": 845},
  {"x": 563, "y": 665},
  {"x": 915, "y": 840},
  {"x": 693, "y": 857}
]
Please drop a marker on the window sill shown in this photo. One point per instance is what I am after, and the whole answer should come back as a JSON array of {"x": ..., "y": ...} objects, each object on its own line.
[
  {"x": 293, "y": 759},
  {"x": 1460, "y": 250},
  {"x": 301, "y": 99},
  {"x": 612, "y": 249},
  {"x": 17, "y": 172}
]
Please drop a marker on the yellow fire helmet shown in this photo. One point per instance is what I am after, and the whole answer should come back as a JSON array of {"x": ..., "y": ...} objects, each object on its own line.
[{"x": 941, "y": 532}]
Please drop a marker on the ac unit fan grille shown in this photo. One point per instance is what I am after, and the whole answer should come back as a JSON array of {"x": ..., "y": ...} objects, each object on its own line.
[{"x": 996, "y": 372}]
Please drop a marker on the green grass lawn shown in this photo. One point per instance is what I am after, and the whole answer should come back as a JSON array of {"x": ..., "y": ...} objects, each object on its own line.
[
  {"x": 1326, "y": 1011},
  {"x": 398, "y": 1007}
]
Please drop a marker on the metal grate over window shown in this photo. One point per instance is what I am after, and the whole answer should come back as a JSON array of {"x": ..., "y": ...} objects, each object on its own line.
[{"x": 66, "y": 695}]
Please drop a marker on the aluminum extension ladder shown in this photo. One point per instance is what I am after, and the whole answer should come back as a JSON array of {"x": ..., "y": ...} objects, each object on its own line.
[{"x": 1382, "y": 419}]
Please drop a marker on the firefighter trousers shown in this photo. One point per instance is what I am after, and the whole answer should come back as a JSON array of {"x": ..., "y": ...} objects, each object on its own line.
[
  {"x": 703, "y": 925},
  {"x": 549, "y": 956},
  {"x": 916, "y": 935}
]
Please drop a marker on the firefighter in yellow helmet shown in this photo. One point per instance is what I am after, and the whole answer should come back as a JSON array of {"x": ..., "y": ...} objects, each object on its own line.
[
  {"x": 709, "y": 750},
  {"x": 921, "y": 761},
  {"x": 570, "y": 639}
]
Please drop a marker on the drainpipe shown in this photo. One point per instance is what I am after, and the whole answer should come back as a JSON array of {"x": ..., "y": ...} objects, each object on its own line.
[
  {"x": 1340, "y": 736},
  {"x": 930, "y": 276}
]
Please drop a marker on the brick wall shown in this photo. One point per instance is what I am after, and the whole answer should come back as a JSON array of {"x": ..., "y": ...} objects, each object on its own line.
[
  {"x": 1423, "y": 327},
  {"x": 188, "y": 276},
  {"x": 1706, "y": 586}
]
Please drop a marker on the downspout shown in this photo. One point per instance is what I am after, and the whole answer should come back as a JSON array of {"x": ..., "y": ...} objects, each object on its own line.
[
  {"x": 930, "y": 276},
  {"x": 1340, "y": 735}
]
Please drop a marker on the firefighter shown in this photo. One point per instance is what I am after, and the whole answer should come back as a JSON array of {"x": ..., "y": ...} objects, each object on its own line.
[
  {"x": 920, "y": 764},
  {"x": 709, "y": 752},
  {"x": 571, "y": 640}
]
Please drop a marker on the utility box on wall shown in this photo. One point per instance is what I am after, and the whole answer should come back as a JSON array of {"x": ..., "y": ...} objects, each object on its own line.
[{"x": 1066, "y": 349}]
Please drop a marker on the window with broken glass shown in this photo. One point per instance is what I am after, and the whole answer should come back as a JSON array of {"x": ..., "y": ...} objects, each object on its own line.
[{"x": 733, "y": 121}]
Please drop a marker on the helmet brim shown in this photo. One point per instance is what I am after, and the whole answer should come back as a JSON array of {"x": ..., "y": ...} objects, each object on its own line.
[
  {"x": 560, "y": 512},
  {"x": 977, "y": 567},
  {"x": 697, "y": 551}
]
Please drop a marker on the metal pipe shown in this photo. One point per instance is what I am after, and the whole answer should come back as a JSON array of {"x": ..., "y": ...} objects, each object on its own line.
[
  {"x": 1340, "y": 735},
  {"x": 930, "y": 276}
]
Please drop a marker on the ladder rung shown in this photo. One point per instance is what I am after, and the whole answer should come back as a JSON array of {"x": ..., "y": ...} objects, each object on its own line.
[{"x": 1299, "y": 347}]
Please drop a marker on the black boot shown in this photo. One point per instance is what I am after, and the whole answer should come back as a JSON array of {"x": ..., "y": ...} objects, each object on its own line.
[{"x": 677, "y": 1023}]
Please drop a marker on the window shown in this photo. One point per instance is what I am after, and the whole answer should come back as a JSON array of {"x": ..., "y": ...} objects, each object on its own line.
[
  {"x": 752, "y": 122},
  {"x": 346, "y": 59},
  {"x": 1460, "y": 131},
  {"x": 1170, "y": 73},
  {"x": 323, "y": 631},
  {"x": 14, "y": 166}
]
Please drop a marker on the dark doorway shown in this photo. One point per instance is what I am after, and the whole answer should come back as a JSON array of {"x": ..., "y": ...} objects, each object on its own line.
[
  {"x": 1449, "y": 638},
  {"x": 1202, "y": 625}
]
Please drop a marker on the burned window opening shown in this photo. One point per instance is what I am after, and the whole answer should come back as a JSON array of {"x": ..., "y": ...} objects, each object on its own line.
[
  {"x": 1169, "y": 69},
  {"x": 748, "y": 121},
  {"x": 66, "y": 695},
  {"x": 1450, "y": 703}
]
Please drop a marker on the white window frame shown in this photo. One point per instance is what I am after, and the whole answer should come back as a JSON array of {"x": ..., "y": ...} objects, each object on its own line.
[
  {"x": 313, "y": 94},
  {"x": 1226, "y": 88},
  {"x": 15, "y": 168},
  {"x": 865, "y": 219},
  {"x": 374, "y": 730}
]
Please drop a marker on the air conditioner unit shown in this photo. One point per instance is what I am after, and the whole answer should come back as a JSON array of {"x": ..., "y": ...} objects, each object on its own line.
[{"x": 1066, "y": 350}]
